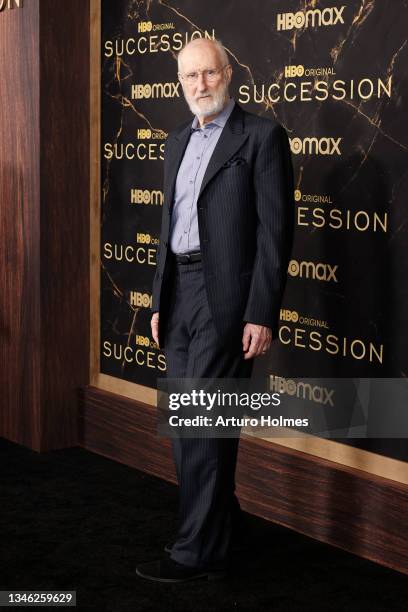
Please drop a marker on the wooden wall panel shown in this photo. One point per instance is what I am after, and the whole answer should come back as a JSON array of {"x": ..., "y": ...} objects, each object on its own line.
[
  {"x": 20, "y": 320},
  {"x": 64, "y": 129},
  {"x": 44, "y": 215},
  {"x": 342, "y": 506}
]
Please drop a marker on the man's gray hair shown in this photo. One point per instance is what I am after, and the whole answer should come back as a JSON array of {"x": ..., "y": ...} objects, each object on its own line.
[{"x": 217, "y": 44}]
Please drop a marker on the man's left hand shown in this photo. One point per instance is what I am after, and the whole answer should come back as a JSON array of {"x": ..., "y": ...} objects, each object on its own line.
[{"x": 256, "y": 340}]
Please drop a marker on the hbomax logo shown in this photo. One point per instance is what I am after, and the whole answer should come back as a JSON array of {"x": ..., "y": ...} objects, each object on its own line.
[{"x": 311, "y": 18}]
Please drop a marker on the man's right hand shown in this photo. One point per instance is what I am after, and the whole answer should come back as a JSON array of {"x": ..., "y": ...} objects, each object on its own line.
[{"x": 154, "y": 323}]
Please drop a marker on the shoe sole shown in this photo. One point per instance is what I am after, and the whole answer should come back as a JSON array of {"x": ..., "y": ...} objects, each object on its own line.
[{"x": 208, "y": 575}]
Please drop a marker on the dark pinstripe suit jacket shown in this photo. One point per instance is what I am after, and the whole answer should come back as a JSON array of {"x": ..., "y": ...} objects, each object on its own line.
[{"x": 245, "y": 220}]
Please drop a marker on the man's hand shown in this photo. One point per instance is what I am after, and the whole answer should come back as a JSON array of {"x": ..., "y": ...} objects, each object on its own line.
[
  {"x": 154, "y": 323},
  {"x": 256, "y": 340}
]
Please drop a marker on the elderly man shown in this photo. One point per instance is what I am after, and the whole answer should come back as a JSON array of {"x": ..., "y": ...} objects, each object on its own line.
[{"x": 225, "y": 242}]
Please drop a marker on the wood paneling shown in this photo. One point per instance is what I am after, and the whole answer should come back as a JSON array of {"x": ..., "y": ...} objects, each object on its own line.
[
  {"x": 124, "y": 430},
  {"x": 44, "y": 204},
  {"x": 64, "y": 130},
  {"x": 344, "y": 507},
  {"x": 20, "y": 319}
]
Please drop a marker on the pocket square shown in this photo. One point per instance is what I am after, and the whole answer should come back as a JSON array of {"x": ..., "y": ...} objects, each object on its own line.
[{"x": 234, "y": 161}]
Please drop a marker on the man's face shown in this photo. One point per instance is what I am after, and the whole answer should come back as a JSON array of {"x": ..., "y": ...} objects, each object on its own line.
[{"x": 204, "y": 97}]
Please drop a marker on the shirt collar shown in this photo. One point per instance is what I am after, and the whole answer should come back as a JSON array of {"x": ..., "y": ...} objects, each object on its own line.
[{"x": 220, "y": 119}]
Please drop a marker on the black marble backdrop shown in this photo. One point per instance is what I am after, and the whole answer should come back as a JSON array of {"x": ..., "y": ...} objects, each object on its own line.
[{"x": 333, "y": 74}]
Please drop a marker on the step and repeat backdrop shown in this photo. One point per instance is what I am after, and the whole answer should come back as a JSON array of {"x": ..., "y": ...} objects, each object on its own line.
[{"x": 332, "y": 74}]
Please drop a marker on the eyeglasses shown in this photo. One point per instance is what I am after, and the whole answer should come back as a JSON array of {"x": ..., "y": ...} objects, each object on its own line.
[{"x": 210, "y": 75}]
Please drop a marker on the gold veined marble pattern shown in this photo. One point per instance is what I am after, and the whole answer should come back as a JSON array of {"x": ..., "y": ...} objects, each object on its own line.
[{"x": 366, "y": 306}]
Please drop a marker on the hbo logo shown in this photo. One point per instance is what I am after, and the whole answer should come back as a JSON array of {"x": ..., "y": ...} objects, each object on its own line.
[
  {"x": 144, "y": 133},
  {"x": 143, "y": 238},
  {"x": 142, "y": 300},
  {"x": 144, "y": 26},
  {"x": 289, "y": 315},
  {"x": 294, "y": 71}
]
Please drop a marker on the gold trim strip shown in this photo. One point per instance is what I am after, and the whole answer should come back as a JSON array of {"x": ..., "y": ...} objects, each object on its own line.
[
  {"x": 343, "y": 454},
  {"x": 140, "y": 393},
  {"x": 95, "y": 190}
]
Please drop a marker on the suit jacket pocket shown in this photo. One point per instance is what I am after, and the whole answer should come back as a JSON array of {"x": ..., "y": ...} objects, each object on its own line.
[{"x": 235, "y": 162}]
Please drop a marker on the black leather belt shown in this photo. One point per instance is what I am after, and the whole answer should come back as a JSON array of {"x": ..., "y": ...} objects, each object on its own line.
[{"x": 187, "y": 258}]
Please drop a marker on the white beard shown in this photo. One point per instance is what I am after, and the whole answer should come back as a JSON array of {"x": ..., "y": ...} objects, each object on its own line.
[{"x": 213, "y": 106}]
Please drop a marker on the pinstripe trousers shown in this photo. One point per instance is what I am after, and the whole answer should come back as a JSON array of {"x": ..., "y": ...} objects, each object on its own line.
[{"x": 205, "y": 467}]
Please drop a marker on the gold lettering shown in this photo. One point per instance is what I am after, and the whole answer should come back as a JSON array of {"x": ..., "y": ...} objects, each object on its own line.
[{"x": 10, "y": 4}]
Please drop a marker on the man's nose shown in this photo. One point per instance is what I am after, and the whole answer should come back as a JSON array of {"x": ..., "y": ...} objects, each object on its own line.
[{"x": 201, "y": 82}]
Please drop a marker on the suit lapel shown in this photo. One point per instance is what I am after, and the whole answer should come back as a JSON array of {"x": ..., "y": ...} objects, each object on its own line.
[
  {"x": 232, "y": 138},
  {"x": 178, "y": 147}
]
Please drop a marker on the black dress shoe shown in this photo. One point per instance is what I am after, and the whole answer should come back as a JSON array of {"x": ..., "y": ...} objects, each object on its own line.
[
  {"x": 167, "y": 570},
  {"x": 237, "y": 545}
]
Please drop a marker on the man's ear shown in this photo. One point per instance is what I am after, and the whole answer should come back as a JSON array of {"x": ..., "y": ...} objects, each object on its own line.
[{"x": 228, "y": 71}]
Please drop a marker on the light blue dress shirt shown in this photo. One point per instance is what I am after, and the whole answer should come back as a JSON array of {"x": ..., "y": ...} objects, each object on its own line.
[{"x": 184, "y": 236}]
